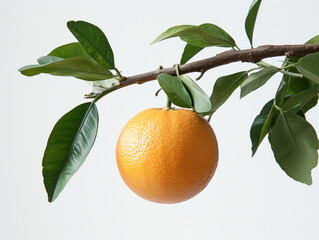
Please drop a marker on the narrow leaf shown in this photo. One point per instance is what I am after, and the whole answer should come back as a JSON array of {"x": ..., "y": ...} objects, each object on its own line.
[
  {"x": 224, "y": 87},
  {"x": 94, "y": 41},
  {"x": 175, "y": 90},
  {"x": 308, "y": 66},
  {"x": 189, "y": 52},
  {"x": 251, "y": 19},
  {"x": 68, "y": 146},
  {"x": 256, "y": 80},
  {"x": 200, "y": 99},
  {"x": 295, "y": 144},
  {"x": 78, "y": 67}
]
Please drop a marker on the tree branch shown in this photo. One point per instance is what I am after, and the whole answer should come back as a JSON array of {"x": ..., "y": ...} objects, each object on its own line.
[{"x": 248, "y": 55}]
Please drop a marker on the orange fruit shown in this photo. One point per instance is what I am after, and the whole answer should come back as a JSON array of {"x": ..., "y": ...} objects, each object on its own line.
[{"x": 166, "y": 155}]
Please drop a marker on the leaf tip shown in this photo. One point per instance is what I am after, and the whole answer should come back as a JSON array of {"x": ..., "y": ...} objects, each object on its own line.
[{"x": 70, "y": 23}]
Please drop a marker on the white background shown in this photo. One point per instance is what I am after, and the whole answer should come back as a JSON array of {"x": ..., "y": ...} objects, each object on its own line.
[{"x": 248, "y": 198}]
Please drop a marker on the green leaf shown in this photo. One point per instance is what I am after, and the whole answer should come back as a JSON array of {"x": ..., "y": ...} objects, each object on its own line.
[
  {"x": 171, "y": 32},
  {"x": 266, "y": 118},
  {"x": 175, "y": 90},
  {"x": 313, "y": 40},
  {"x": 48, "y": 59},
  {"x": 295, "y": 84},
  {"x": 256, "y": 80},
  {"x": 200, "y": 99},
  {"x": 189, "y": 52},
  {"x": 78, "y": 67},
  {"x": 251, "y": 19},
  {"x": 215, "y": 36},
  {"x": 258, "y": 125},
  {"x": 281, "y": 93},
  {"x": 207, "y": 34},
  {"x": 295, "y": 144},
  {"x": 224, "y": 87},
  {"x": 299, "y": 100},
  {"x": 94, "y": 41},
  {"x": 308, "y": 67},
  {"x": 70, "y": 50},
  {"x": 69, "y": 144},
  {"x": 310, "y": 104}
]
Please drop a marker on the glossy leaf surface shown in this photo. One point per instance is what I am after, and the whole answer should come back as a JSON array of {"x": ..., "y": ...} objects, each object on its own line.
[
  {"x": 94, "y": 41},
  {"x": 68, "y": 146},
  {"x": 200, "y": 99},
  {"x": 308, "y": 67},
  {"x": 215, "y": 36},
  {"x": 70, "y": 50},
  {"x": 172, "y": 32},
  {"x": 224, "y": 87},
  {"x": 200, "y": 36},
  {"x": 266, "y": 118},
  {"x": 295, "y": 144},
  {"x": 189, "y": 52},
  {"x": 256, "y": 80},
  {"x": 251, "y": 19},
  {"x": 78, "y": 67},
  {"x": 256, "y": 135},
  {"x": 175, "y": 90},
  {"x": 299, "y": 100}
]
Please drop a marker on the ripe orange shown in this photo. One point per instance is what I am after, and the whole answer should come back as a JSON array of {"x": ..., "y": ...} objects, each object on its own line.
[{"x": 166, "y": 155}]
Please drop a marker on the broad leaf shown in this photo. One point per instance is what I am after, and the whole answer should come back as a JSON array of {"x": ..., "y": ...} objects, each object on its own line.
[
  {"x": 70, "y": 50},
  {"x": 171, "y": 32},
  {"x": 251, "y": 19},
  {"x": 221, "y": 33},
  {"x": 78, "y": 67},
  {"x": 68, "y": 146},
  {"x": 295, "y": 84},
  {"x": 215, "y": 36},
  {"x": 299, "y": 100},
  {"x": 258, "y": 125},
  {"x": 175, "y": 90},
  {"x": 207, "y": 34},
  {"x": 313, "y": 40},
  {"x": 295, "y": 144},
  {"x": 189, "y": 52},
  {"x": 48, "y": 59},
  {"x": 266, "y": 118},
  {"x": 94, "y": 41},
  {"x": 308, "y": 67},
  {"x": 256, "y": 80},
  {"x": 281, "y": 93},
  {"x": 310, "y": 104},
  {"x": 200, "y": 99},
  {"x": 224, "y": 87}
]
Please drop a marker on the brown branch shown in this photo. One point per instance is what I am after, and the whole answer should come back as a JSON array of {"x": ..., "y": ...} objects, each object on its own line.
[{"x": 248, "y": 55}]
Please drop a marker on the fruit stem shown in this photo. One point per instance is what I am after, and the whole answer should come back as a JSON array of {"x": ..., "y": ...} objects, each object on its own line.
[{"x": 168, "y": 104}]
